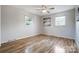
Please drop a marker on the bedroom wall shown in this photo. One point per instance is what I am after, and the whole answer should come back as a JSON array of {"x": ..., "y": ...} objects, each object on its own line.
[
  {"x": 67, "y": 31},
  {"x": 13, "y": 25}
]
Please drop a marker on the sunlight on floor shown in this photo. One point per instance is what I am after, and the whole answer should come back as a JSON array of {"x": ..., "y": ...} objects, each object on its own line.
[
  {"x": 58, "y": 49},
  {"x": 44, "y": 43}
]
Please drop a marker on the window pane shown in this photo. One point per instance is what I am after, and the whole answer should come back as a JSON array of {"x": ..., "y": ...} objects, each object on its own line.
[{"x": 60, "y": 21}]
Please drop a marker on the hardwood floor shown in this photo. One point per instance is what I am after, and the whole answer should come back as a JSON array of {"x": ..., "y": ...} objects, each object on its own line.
[{"x": 40, "y": 44}]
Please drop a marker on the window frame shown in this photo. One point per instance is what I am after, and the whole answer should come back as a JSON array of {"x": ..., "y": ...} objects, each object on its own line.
[{"x": 59, "y": 19}]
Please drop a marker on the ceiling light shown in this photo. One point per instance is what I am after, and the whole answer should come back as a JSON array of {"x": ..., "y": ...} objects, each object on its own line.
[{"x": 44, "y": 11}]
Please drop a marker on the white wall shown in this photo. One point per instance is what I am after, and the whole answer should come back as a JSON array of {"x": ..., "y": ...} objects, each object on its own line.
[
  {"x": 0, "y": 25},
  {"x": 13, "y": 25},
  {"x": 67, "y": 31}
]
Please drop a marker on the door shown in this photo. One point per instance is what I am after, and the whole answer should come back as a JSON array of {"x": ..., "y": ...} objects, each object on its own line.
[{"x": 77, "y": 30}]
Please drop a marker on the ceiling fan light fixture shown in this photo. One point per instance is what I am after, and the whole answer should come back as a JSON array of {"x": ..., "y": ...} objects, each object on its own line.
[{"x": 44, "y": 11}]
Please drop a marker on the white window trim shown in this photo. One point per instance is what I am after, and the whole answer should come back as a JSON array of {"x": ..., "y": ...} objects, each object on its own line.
[{"x": 60, "y": 21}]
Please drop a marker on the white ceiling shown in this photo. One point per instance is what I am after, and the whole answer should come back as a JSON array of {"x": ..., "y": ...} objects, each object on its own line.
[{"x": 33, "y": 8}]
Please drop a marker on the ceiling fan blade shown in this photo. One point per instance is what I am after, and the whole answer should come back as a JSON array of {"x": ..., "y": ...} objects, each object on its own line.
[
  {"x": 38, "y": 9},
  {"x": 48, "y": 12},
  {"x": 52, "y": 8}
]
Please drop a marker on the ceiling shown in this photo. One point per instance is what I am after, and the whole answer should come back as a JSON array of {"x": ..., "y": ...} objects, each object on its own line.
[{"x": 33, "y": 8}]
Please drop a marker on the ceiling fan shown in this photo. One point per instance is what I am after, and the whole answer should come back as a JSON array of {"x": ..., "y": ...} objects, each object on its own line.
[{"x": 45, "y": 9}]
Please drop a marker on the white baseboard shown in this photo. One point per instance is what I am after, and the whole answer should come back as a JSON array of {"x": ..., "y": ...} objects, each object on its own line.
[
  {"x": 60, "y": 36},
  {"x": 19, "y": 38}
]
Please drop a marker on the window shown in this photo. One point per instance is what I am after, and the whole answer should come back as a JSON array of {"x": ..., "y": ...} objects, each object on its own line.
[
  {"x": 47, "y": 21},
  {"x": 28, "y": 20},
  {"x": 60, "y": 21}
]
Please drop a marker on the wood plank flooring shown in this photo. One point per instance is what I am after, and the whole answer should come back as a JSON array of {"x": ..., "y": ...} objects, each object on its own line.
[{"x": 40, "y": 44}]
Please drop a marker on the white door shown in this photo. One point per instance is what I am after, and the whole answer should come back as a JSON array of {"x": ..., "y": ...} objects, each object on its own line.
[
  {"x": 77, "y": 29},
  {"x": 77, "y": 33}
]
